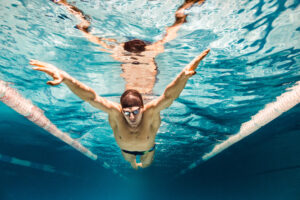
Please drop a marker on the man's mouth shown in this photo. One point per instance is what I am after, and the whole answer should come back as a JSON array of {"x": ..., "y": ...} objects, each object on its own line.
[{"x": 133, "y": 121}]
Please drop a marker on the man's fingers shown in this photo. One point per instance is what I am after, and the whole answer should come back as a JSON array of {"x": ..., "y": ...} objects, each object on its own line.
[
  {"x": 41, "y": 64},
  {"x": 54, "y": 82},
  {"x": 33, "y": 62},
  {"x": 49, "y": 72},
  {"x": 190, "y": 73},
  {"x": 40, "y": 69},
  {"x": 36, "y": 63},
  {"x": 49, "y": 69},
  {"x": 201, "y": 1},
  {"x": 204, "y": 53},
  {"x": 43, "y": 70},
  {"x": 194, "y": 64},
  {"x": 56, "y": 1}
]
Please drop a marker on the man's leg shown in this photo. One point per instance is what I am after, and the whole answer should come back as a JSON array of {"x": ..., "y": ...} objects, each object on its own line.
[
  {"x": 84, "y": 24},
  {"x": 130, "y": 158},
  {"x": 147, "y": 159}
]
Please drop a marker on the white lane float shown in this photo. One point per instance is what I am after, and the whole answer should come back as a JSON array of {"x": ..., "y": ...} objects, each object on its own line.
[
  {"x": 283, "y": 103},
  {"x": 23, "y": 106}
]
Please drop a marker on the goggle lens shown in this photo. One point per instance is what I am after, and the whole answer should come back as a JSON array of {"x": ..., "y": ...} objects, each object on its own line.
[{"x": 135, "y": 112}]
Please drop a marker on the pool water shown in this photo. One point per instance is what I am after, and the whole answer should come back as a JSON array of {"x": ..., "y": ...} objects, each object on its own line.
[{"x": 254, "y": 58}]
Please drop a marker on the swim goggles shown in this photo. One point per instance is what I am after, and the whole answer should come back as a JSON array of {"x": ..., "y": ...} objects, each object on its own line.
[{"x": 135, "y": 112}]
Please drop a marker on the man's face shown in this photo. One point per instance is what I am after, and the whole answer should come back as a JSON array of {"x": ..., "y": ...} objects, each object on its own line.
[{"x": 133, "y": 115}]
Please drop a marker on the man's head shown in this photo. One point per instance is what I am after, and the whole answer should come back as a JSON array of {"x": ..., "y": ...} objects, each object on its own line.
[
  {"x": 132, "y": 107},
  {"x": 135, "y": 46}
]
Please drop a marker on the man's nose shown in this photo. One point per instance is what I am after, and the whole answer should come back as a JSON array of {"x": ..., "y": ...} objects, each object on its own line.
[{"x": 131, "y": 116}]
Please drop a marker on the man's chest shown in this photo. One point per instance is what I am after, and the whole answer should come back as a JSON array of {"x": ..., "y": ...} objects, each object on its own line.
[{"x": 144, "y": 132}]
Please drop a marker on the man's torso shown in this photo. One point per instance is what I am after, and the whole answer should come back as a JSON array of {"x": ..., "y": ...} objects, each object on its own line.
[
  {"x": 141, "y": 138},
  {"x": 139, "y": 70}
]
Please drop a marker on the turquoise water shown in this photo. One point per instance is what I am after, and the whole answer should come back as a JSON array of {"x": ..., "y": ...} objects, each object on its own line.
[{"x": 254, "y": 58}]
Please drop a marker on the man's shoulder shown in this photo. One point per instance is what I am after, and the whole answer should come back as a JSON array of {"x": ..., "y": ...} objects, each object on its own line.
[
  {"x": 115, "y": 110},
  {"x": 151, "y": 107},
  {"x": 115, "y": 117},
  {"x": 151, "y": 115}
]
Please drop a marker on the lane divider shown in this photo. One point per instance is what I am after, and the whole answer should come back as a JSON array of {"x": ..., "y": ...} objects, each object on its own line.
[
  {"x": 23, "y": 106},
  {"x": 13, "y": 99},
  {"x": 30, "y": 164},
  {"x": 283, "y": 103}
]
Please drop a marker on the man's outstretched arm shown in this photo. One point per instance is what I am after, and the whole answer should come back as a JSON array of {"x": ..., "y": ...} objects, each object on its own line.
[
  {"x": 180, "y": 18},
  {"x": 84, "y": 25},
  {"x": 174, "y": 89},
  {"x": 82, "y": 91}
]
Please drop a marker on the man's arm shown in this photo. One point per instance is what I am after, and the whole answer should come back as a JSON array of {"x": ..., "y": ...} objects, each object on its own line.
[
  {"x": 82, "y": 91},
  {"x": 174, "y": 89},
  {"x": 180, "y": 18},
  {"x": 84, "y": 25}
]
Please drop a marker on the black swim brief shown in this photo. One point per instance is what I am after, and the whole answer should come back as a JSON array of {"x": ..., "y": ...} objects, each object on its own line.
[{"x": 139, "y": 153}]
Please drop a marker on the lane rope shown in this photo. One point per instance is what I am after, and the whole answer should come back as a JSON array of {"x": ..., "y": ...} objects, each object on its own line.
[
  {"x": 25, "y": 107},
  {"x": 13, "y": 99},
  {"x": 30, "y": 164},
  {"x": 283, "y": 103}
]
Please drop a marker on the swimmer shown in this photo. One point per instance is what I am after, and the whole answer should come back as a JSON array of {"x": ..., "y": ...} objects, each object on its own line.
[
  {"x": 134, "y": 123},
  {"x": 137, "y": 56}
]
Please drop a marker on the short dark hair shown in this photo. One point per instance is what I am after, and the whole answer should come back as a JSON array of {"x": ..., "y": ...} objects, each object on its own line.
[
  {"x": 131, "y": 98},
  {"x": 135, "y": 46}
]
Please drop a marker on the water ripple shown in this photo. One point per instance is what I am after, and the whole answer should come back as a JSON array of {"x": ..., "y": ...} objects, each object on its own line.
[{"x": 254, "y": 58}]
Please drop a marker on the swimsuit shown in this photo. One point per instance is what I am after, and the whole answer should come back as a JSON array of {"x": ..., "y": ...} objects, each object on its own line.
[{"x": 139, "y": 153}]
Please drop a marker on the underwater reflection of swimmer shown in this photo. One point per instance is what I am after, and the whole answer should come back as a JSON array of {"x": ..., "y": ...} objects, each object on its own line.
[
  {"x": 137, "y": 56},
  {"x": 134, "y": 124}
]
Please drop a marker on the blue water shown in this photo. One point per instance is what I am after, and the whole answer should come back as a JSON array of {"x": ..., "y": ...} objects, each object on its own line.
[{"x": 254, "y": 58}]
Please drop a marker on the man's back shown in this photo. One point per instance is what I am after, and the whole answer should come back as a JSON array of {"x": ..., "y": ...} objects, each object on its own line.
[{"x": 139, "y": 70}]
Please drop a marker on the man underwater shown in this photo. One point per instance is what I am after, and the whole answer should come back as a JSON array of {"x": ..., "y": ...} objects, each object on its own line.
[
  {"x": 137, "y": 57},
  {"x": 134, "y": 124}
]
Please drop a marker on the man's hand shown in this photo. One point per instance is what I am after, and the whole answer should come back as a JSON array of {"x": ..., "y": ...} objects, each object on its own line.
[
  {"x": 194, "y": 1},
  {"x": 190, "y": 68},
  {"x": 59, "y": 1},
  {"x": 53, "y": 71}
]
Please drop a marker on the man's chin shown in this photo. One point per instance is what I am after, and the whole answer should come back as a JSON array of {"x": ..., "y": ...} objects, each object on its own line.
[{"x": 133, "y": 123}]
